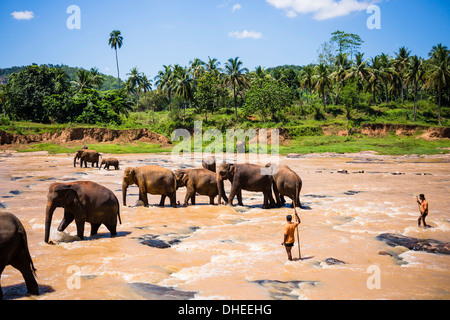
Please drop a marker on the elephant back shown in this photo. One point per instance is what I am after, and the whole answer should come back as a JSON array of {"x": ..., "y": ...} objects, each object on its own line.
[{"x": 9, "y": 227}]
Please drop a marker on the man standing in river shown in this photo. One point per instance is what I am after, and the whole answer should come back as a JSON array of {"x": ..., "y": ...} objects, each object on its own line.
[
  {"x": 289, "y": 231},
  {"x": 423, "y": 207}
]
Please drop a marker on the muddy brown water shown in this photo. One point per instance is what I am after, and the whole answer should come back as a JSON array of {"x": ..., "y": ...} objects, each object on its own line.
[{"x": 222, "y": 252}]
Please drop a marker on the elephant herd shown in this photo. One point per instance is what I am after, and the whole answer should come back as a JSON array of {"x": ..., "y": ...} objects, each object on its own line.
[{"x": 87, "y": 201}]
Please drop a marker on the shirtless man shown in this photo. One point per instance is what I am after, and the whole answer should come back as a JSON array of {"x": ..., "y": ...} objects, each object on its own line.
[
  {"x": 423, "y": 207},
  {"x": 289, "y": 238}
]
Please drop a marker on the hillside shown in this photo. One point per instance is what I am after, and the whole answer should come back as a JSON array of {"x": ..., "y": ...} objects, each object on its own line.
[{"x": 109, "y": 83}]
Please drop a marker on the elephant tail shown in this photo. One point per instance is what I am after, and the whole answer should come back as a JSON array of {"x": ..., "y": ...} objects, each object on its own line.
[
  {"x": 118, "y": 211},
  {"x": 23, "y": 234}
]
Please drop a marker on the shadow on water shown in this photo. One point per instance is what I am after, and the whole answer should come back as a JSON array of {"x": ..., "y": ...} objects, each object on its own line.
[{"x": 17, "y": 291}]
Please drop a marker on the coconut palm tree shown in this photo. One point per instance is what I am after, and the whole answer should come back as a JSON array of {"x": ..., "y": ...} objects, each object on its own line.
[
  {"x": 97, "y": 77},
  {"x": 197, "y": 68},
  {"x": 164, "y": 83},
  {"x": 183, "y": 85},
  {"x": 438, "y": 72},
  {"x": 322, "y": 81},
  {"x": 414, "y": 74},
  {"x": 83, "y": 80},
  {"x": 375, "y": 77},
  {"x": 341, "y": 69},
  {"x": 212, "y": 66},
  {"x": 387, "y": 72},
  {"x": 134, "y": 81},
  {"x": 236, "y": 76},
  {"x": 306, "y": 78},
  {"x": 116, "y": 41},
  {"x": 400, "y": 63},
  {"x": 359, "y": 71}
]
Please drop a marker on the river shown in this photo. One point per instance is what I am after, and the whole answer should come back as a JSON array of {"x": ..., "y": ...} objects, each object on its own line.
[{"x": 223, "y": 252}]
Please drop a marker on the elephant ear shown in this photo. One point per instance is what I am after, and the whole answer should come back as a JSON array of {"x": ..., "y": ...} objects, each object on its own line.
[
  {"x": 184, "y": 178},
  {"x": 232, "y": 169}
]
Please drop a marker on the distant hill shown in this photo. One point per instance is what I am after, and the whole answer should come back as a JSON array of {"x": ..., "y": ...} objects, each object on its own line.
[
  {"x": 297, "y": 69},
  {"x": 109, "y": 83}
]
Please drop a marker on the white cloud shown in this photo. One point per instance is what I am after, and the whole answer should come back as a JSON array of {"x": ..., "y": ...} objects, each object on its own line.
[
  {"x": 237, "y": 6},
  {"x": 245, "y": 34},
  {"x": 23, "y": 15},
  {"x": 321, "y": 9}
]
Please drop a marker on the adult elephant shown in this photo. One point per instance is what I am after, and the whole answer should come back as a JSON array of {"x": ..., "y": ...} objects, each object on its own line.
[
  {"x": 286, "y": 182},
  {"x": 201, "y": 181},
  {"x": 87, "y": 155},
  {"x": 248, "y": 177},
  {"x": 14, "y": 251},
  {"x": 83, "y": 201},
  {"x": 151, "y": 179},
  {"x": 209, "y": 163}
]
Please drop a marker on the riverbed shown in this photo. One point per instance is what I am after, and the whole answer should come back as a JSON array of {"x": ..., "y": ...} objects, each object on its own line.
[{"x": 221, "y": 252}]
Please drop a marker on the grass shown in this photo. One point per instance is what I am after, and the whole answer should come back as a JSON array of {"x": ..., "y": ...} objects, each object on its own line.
[{"x": 111, "y": 148}]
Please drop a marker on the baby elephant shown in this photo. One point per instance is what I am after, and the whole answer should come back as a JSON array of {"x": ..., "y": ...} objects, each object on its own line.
[
  {"x": 201, "y": 181},
  {"x": 14, "y": 251},
  {"x": 110, "y": 162}
]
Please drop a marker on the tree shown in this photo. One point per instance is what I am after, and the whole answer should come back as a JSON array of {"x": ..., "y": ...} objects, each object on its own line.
[
  {"x": 97, "y": 78},
  {"x": 358, "y": 71},
  {"x": 438, "y": 72},
  {"x": 306, "y": 78},
  {"x": 134, "y": 81},
  {"x": 84, "y": 80},
  {"x": 375, "y": 77},
  {"x": 183, "y": 85},
  {"x": 164, "y": 83},
  {"x": 236, "y": 76},
  {"x": 116, "y": 41},
  {"x": 346, "y": 42},
  {"x": 322, "y": 81},
  {"x": 25, "y": 92},
  {"x": 415, "y": 73},
  {"x": 206, "y": 93},
  {"x": 268, "y": 96},
  {"x": 400, "y": 63}
]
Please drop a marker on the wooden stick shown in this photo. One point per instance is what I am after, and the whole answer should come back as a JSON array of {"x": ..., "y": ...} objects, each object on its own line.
[{"x": 298, "y": 236}]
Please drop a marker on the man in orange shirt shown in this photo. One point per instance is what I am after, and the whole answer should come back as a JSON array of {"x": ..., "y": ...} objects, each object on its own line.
[
  {"x": 423, "y": 207},
  {"x": 289, "y": 231}
]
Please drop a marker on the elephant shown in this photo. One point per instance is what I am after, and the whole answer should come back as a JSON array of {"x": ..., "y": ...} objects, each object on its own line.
[
  {"x": 110, "y": 162},
  {"x": 209, "y": 163},
  {"x": 245, "y": 177},
  {"x": 201, "y": 181},
  {"x": 83, "y": 201},
  {"x": 286, "y": 182},
  {"x": 86, "y": 155},
  {"x": 14, "y": 251},
  {"x": 151, "y": 179}
]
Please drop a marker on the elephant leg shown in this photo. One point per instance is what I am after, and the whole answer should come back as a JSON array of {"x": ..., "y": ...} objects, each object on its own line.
[
  {"x": 211, "y": 199},
  {"x": 143, "y": 197},
  {"x": 283, "y": 201},
  {"x": 234, "y": 191},
  {"x": 162, "y": 201},
  {"x": 80, "y": 229},
  {"x": 193, "y": 199},
  {"x": 94, "y": 228},
  {"x": 1, "y": 292},
  {"x": 67, "y": 219},
  {"x": 187, "y": 197},
  {"x": 173, "y": 199},
  {"x": 112, "y": 228},
  {"x": 266, "y": 202},
  {"x": 22, "y": 263},
  {"x": 239, "y": 197}
]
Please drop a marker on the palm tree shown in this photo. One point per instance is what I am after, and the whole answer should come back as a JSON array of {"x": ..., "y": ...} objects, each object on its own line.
[
  {"x": 236, "y": 76},
  {"x": 387, "y": 72},
  {"x": 375, "y": 76},
  {"x": 116, "y": 41},
  {"x": 322, "y": 81},
  {"x": 97, "y": 77},
  {"x": 196, "y": 68},
  {"x": 358, "y": 71},
  {"x": 415, "y": 73},
  {"x": 145, "y": 86},
  {"x": 164, "y": 83},
  {"x": 183, "y": 85},
  {"x": 212, "y": 66},
  {"x": 438, "y": 72},
  {"x": 306, "y": 78},
  {"x": 341, "y": 66},
  {"x": 134, "y": 81},
  {"x": 401, "y": 62},
  {"x": 83, "y": 80}
]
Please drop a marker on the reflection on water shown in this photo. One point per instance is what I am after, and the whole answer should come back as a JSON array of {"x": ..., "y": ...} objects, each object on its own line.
[{"x": 219, "y": 252}]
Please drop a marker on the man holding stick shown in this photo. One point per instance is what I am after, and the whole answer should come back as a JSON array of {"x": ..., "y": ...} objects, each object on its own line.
[
  {"x": 289, "y": 237},
  {"x": 423, "y": 207}
]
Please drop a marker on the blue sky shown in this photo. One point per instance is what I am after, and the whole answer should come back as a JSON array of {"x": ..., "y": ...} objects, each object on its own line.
[{"x": 260, "y": 32}]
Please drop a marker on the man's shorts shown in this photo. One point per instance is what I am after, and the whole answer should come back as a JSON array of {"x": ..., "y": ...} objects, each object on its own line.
[{"x": 289, "y": 244}]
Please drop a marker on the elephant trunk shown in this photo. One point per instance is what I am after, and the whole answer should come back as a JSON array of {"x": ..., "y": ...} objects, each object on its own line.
[
  {"x": 221, "y": 189},
  {"x": 48, "y": 220},
  {"x": 124, "y": 192},
  {"x": 75, "y": 161}
]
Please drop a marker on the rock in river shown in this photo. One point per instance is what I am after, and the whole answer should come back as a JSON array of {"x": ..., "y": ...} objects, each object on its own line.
[{"x": 428, "y": 245}]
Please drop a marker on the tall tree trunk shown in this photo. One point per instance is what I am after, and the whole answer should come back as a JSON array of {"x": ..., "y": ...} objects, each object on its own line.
[
  {"x": 415, "y": 100},
  {"x": 235, "y": 101},
  {"x": 439, "y": 108},
  {"x": 117, "y": 63}
]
